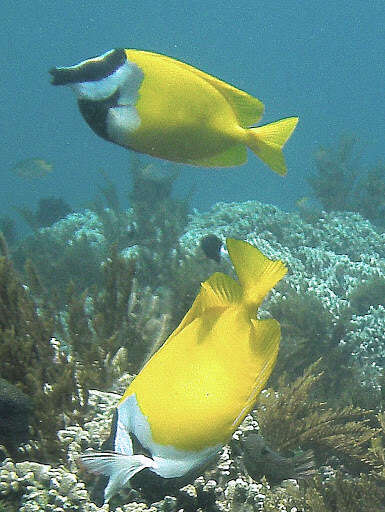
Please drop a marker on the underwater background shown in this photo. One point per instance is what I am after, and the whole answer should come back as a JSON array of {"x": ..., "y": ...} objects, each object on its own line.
[
  {"x": 101, "y": 252},
  {"x": 321, "y": 62}
]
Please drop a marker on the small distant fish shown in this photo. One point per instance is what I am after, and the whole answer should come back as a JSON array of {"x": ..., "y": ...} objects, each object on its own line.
[
  {"x": 163, "y": 107},
  {"x": 193, "y": 393},
  {"x": 260, "y": 460},
  {"x": 211, "y": 245},
  {"x": 302, "y": 202},
  {"x": 32, "y": 168}
]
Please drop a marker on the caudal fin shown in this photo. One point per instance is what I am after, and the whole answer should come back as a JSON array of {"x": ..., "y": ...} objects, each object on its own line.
[
  {"x": 117, "y": 466},
  {"x": 257, "y": 274},
  {"x": 267, "y": 142}
]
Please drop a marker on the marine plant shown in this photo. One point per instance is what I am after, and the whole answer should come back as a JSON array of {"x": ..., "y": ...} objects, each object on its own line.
[
  {"x": 111, "y": 328},
  {"x": 370, "y": 195},
  {"x": 309, "y": 332},
  {"x": 159, "y": 221},
  {"x": 31, "y": 361},
  {"x": 117, "y": 226},
  {"x": 368, "y": 293},
  {"x": 341, "y": 183},
  {"x": 337, "y": 170},
  {"x": 104, "y": 334},
  {"x": 8, "y": 228},
  {"x": 49, "y": 210},
  {"x": 292, "y": 417},
  {"x": 3, "y": 246},
  {"x": 57, "y": 262},
  {"x": 15, "y": 410}
]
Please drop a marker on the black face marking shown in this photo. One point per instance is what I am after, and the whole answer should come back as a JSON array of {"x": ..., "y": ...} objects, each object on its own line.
[
  {"x": 95, "y": 113},
  {"x": 90, "y": 70}
]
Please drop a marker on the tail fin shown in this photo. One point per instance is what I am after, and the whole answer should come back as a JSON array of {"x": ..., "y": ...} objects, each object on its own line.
[
  {"x": 267, "y": 142},
  {"x": 119, "y": 467},
  {"x": 257, "y": 274}
]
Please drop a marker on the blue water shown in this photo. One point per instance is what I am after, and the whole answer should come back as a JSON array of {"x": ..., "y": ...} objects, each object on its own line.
[{"x": 321, "y": 61}]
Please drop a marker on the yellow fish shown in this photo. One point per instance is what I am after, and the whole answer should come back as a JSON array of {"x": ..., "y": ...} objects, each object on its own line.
[
  {"x": 197, "y": 388},
  {"x": 163, "y": 107}
]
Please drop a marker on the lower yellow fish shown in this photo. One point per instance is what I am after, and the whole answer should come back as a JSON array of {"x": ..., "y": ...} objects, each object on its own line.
[
  {"x": 197, "y": 388},
  {"x": 168, "y": 109}
]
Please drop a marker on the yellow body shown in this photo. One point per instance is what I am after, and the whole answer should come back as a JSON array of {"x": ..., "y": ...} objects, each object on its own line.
[
  {"x": 189, "y": 116},
  {"x": 199, "y": 386}
]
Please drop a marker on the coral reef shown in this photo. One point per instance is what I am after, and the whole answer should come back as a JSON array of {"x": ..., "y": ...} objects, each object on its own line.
[{"x": 103, "y": 327}]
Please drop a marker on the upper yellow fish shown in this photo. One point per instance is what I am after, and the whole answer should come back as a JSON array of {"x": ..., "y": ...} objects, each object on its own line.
[
  {"x": 163, "y": 107},
  {"x": 197, "y": 388}
]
